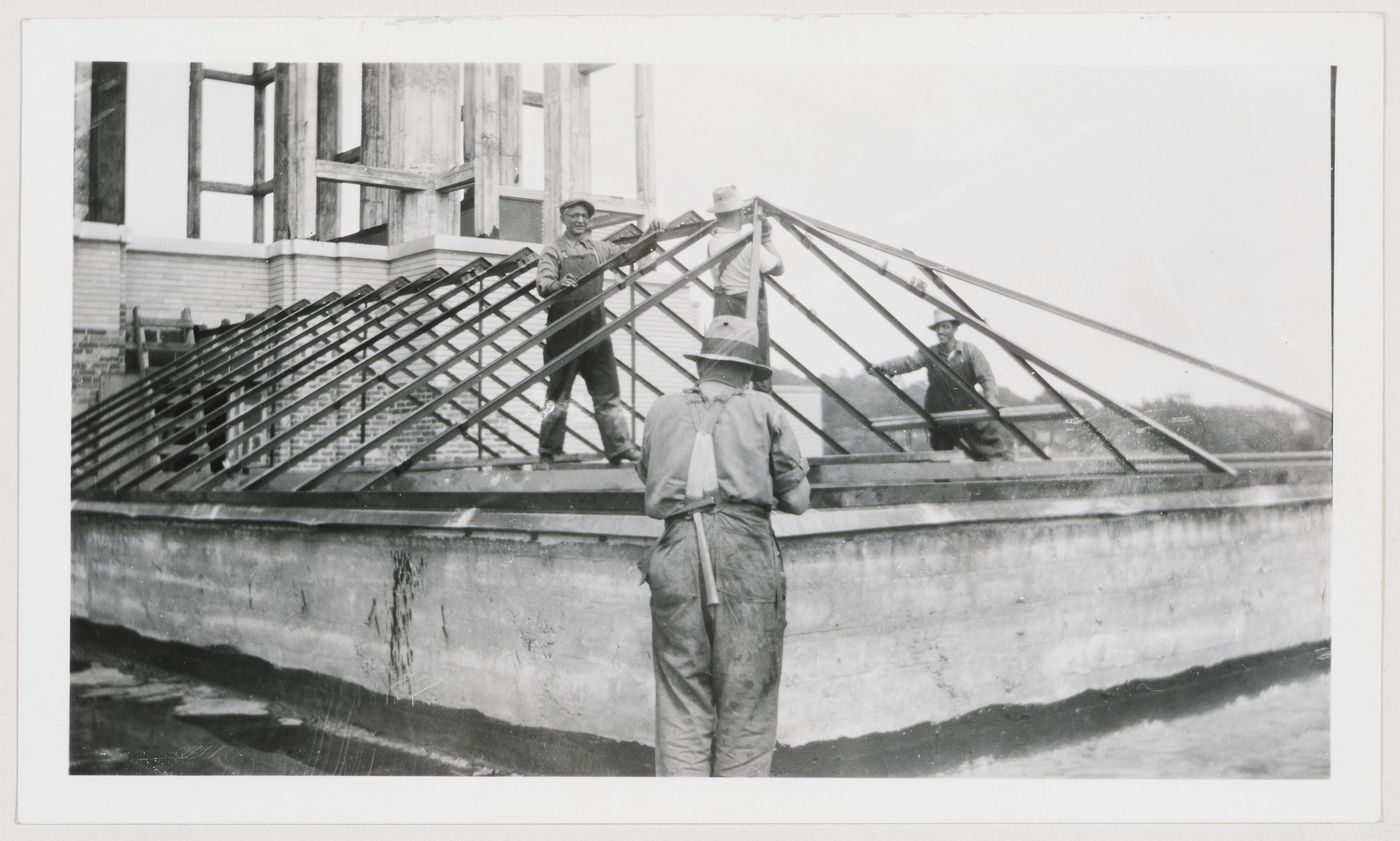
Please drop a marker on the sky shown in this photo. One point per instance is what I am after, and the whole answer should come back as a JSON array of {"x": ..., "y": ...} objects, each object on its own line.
[{"x": 1189, "y": 205}]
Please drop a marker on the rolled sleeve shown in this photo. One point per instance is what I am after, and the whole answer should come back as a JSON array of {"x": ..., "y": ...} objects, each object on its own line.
[
  {"x": 547, "y": 273},
  {"x": 904, "y": 364},
  {"x": 785, "y": 462}
]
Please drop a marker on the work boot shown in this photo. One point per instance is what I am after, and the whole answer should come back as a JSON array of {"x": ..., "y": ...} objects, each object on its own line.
[{"x": 632, "y": 453}]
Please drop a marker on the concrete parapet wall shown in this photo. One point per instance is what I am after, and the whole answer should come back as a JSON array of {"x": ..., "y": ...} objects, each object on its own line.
[{"x": 540, "y": 620}]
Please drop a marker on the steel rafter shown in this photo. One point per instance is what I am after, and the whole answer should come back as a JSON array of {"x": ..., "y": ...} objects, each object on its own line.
[
  {"x": 924, "y": 349},
  {"x": 1046, "y": 306},
  {"x": 537, "y": 339},
  {"x": 1195, "y": 452}
]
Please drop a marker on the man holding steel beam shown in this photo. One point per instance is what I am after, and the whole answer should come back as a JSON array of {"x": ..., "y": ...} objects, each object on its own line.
[
  {"x": 717, "y": 459},
  {"x": 734, "y": 275}
]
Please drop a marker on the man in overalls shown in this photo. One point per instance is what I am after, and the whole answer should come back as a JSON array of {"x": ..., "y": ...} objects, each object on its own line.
[
  {"x": 563, "y": 265},
  {"x": 947, "y": 393},
  {"x": 716, "y": 459}
]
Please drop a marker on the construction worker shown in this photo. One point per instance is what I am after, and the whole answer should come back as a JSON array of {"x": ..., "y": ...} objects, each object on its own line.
[
  {"x": 716, "y": 459},
  {"x": 732, "y": 274},
  {"x": 983, "y": 439},
  {"x": 563, "y": 265}
]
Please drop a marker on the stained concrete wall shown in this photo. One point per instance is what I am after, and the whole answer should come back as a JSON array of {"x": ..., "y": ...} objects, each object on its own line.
[{"x": 896, "y": 617}]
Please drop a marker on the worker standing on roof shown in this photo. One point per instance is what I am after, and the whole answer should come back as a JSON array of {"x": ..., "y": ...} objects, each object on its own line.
[
  {"x": 947, "y": 393},
  {"x": 564, "y": 265},
  {"x": 732, "y": 273},
  {"x": 716, "y": 459}
]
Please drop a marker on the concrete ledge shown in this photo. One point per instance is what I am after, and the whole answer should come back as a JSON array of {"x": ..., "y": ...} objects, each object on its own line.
[{"x": 637, "y": 527}]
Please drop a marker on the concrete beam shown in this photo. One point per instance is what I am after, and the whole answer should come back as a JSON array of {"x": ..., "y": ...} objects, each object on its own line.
[
  {"x": 374, "y": 151},
  {"x": 82, "y": 128},
  {"x": 327, "y": 146}
]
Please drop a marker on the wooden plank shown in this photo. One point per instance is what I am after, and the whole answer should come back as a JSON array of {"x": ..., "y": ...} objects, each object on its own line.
[
  {"x": 327, "y": 145},
  {"x": 374, "y": 103},
  {"x": 226, "y": 187},
  {"x": 558, "y": 179},
  {"x": 294, "y": 201},
  {"x": 580, "y": 130},
  {"x": 193, "y": 140},
  {"x": 371, "y": 176},
  {"x": 349, "y": 156},
  {"x": 644, "y": 139},
  {"x": 260, "y": 71},
  {"x": 511, "y": 144},
  {"x": 234, "y": 78},
  {"x": 587, "y": 69},
  {"x": 82, "y": 133},
  {"x": 456, "y": 178},
  {"x": 486, "y": 150},
  {"x": 532, "y": 99}
]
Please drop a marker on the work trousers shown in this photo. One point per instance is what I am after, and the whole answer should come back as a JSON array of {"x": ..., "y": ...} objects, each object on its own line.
[
  {"x": 599, "y": 370},
  {"x": 717, "y": 670},
  {"x": 738, "y": 305},
  {"x": 985, "y": 440}
]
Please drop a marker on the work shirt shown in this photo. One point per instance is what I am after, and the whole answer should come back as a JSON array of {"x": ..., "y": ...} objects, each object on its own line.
[
  {"x": 734, "y": 280},
  {"x": 757, "y": 457},
  {"x": 567, "y": 256},
  {"x": 945, "y": 394}
]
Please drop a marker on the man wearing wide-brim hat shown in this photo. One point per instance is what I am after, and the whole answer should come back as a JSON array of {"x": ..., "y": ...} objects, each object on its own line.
[
  {"x": 716, "y": 459},
  {"x": 948, "y": 392},
  {"x": 732, "y": 274},
  {"x": 563, "y": 274}
]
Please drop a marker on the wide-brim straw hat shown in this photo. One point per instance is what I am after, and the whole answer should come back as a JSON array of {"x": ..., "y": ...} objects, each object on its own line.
[
  {"x": 939, "y": 316},
  {"x": 578, "y": 200},
  {"x": 730, "y": 338},
  {"x": 727, "y": 199}
]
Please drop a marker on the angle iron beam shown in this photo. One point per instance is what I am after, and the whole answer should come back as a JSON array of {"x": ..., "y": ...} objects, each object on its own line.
[
  {"x": 395, "y": 296},
  {"x": 397, "y": 304},
  {"x": 1195, "y": 452},
  {"x": 537, "y": 339},
  {"x": 1046, "y": 306},
  {"x": 496, "y": 346},
  {"x": 139, "y": 423},
  {"x": 136, "y": 390},
  {"x": 1045, "y": 384},
  {"x": 690, "y": 374},
  {"x": 564, "y": 359},
  {"x": 205, "y": 360},
  {"x": 364, "y": 415},
  {"x": 865, "y": 363},
  {"x": 792, "y": 410},
  {"x": 908, "y": 334}
]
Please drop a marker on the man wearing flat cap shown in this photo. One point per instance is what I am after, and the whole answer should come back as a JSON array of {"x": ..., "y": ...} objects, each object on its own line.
[
  {"x": 564, "y": 264},
  {"x": 949, "y": 393},
  {"x": 732, "y": 273},
  {"x": 716, "y": 460}
]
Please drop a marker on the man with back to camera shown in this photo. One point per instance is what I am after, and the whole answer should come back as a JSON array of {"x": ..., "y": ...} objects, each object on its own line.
[
  {"x": 732, "y": 274},
  {"x": 716, "y": 459},
  {"x": 984, "y": 439},
  {"x": 563, "y": 265}
]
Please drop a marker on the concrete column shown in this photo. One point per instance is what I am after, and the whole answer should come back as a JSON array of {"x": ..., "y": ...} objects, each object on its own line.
[
  {"x": 107, "y": 144},
  {"x": 327, "y": 145},
  {"x": 294, "y": 144},
  {"x": 82, "y": 127},
  {"x": 511, "y": 105},
  {"x": 374, "y": 147},
  {"x": 484, "y": 105},
  {"x": 566, "y": 159},
  {"x": 424, "y": 136}
]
